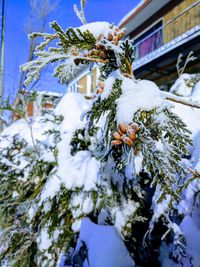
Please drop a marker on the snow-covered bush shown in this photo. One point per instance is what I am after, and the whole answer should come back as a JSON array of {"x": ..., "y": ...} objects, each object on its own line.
[
  {"x": 108, "y": 167},
  {"x": 188, "y": 206},
  {"x": 185, "y": 85}
]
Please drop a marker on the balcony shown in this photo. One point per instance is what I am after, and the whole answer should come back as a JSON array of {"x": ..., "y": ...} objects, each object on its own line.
[{"x": 173, "y": 30}]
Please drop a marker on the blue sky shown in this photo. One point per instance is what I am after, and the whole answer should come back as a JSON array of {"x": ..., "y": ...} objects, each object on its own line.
[{"x": 16, "y": 46}]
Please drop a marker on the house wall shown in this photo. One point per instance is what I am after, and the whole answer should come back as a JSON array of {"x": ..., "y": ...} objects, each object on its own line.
[
  {"x": 82, "y": 85},
  {"x": 29, "y": 109},
  {"x": 94, "y": 79},
  {"x": 157, "y": 16},
  {"x": 35, "y": 108},
  {"x": 183, "y": 23},
  {"x": 86, "y": 85}
]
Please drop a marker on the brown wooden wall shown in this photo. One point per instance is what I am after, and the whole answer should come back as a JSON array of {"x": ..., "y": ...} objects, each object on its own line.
[
  {"x": 94, "y": 79},
  {"x": 183, "y": 23},
  {"x": 47, "y": 105},
  {"x": 29, "y": 109},
  {"x": 82, "y": 85}
]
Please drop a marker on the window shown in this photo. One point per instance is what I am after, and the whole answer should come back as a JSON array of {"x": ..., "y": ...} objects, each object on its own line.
[{"x": 149, "y": 41}]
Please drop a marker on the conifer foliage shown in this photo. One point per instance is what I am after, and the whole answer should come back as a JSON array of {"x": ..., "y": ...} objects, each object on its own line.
[{"x": 117, "y": 161}]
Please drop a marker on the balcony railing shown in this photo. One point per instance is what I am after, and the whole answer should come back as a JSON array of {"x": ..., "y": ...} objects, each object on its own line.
[
  {"x": 169, "y": 31},
  {"x": 149, "y": 44}
]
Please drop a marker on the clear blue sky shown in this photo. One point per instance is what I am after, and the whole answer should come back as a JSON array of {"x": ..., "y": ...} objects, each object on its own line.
[{"x": 16, "y": 46}]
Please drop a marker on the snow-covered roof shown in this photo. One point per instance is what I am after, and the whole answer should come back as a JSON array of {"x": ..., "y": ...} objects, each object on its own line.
[
  {"x": 139, "y": 14},
  {"x": 56, "y": 94},
  {"x": 132, "y": 11}
]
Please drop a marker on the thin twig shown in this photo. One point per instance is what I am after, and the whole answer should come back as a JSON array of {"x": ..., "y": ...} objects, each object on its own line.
[{"x": 97, "y": 60}]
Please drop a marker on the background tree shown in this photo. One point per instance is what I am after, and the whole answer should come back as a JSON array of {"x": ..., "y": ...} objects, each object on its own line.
[{"x": 37, "y": 22}]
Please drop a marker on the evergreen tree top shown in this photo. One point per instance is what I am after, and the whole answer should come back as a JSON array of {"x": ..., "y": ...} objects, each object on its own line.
[{"x": 98, "y": 42}]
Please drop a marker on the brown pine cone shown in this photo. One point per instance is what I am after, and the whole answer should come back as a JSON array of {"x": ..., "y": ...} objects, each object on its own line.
[
  {"x": 116, "y": 31},
  {"x": 132, "y": 136},
  {"x": 117, "y": 136},
  {"x": 116, "y": 142},
  {"x": 123, "y": 128},
  {"x": 110, "y": 37},
  {"x": 135, "y": 127},
  {"x": 99, "y": 91},
  {"x": 116, "y": 40},
  {"x": 121, "y": 35},
  {"x": 101, "y": 36},
  {"x": 127, "y": 140},
  {"x": 100, "y": 47}
]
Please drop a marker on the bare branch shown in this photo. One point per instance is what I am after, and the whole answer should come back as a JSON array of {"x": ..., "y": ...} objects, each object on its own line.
[
  {"x": 81, "y": 13},
  {"x": 190, "y": 57},
  {"x": 39, "y": 13}
]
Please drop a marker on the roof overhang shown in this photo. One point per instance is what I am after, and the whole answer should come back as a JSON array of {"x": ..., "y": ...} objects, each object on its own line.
[{"x": 141, "y": 13}]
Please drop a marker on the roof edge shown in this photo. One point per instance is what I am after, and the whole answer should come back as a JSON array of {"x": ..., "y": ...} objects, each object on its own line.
[{"x": 135, "y": 13}]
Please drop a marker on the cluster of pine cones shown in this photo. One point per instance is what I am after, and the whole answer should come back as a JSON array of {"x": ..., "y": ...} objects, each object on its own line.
[
  {"x": 100, "y": 88},
  {"x": 100, "y": 50},
  {"x": 127, "y": 134}
]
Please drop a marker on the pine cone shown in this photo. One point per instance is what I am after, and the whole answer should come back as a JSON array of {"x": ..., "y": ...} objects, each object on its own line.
[
  {"x": 99, "y": 91},
  {"x": 135, "y": 127},
  {"x": 123, "y": 128},
  {"x": 132, "y": 136},
  {"x": 116, "y": 31},
  {"x": 127, "y": 140},
  {"x": 74, "y": 51},
  {"x": 110, "y": 37},
  {"x": 121, "y": 35},
  {"x": 126, "y": 133},
  {"x": 116, "y": 40},
  {"x": 100, "y": 47},
  {"x": 117, "y": 136},
  {"x": 101, "y": 36},
  {"x": 116, "y": 142}
]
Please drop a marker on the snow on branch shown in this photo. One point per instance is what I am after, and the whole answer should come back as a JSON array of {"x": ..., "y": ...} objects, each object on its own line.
[
  {"x": 181, "y": 100},
  {"x": 97, "y": 42},
  {"x": 34, "y": 67}
]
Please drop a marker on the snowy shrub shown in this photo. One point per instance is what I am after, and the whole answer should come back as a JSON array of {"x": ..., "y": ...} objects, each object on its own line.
[{"x": 108, "y": 167}]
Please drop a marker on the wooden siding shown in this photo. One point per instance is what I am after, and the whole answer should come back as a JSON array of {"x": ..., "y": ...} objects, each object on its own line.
[
  {"x": 83, "y": 82},
  {"x": 183, "y": 23},
  {"x": 29, "y": 109},
  {"x": 82, "y": 85},
  {"x": 47, "y": 105},
  {"x": 94, "y": 79},
  {"x": 158, "y": 15}
]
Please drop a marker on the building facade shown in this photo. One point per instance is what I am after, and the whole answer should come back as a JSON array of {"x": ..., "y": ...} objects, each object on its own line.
[
  {"x": 85, "y": 82},
  {"x": 160, "y": 30},
  {"x": 43, "y": 103}
]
